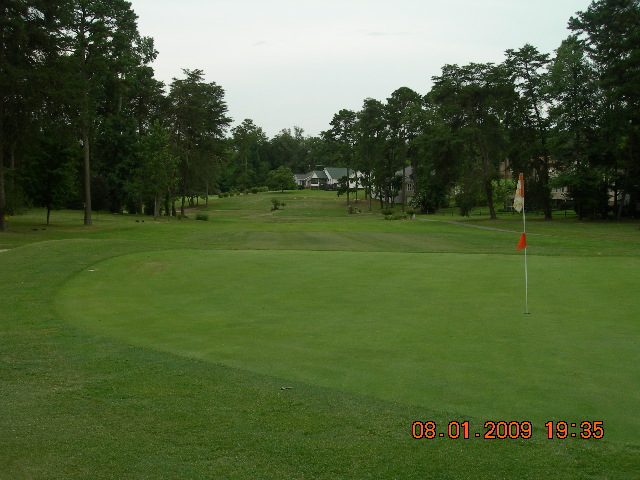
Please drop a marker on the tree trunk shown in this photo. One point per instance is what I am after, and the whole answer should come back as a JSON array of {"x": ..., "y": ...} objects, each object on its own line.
[
  {"x": 156, "y": 206},
  {"x": 623, "y": 195},
  {"x": 486, "y": 178},
  {"x": 87, "y": 179},
  {"x": 488, "y": 189},
  {"x": 546, "y": 199},
  {"x": 624, "y": 189},
  {"x": 4, "y": 227},
  {"x": 356, "y": 185},
  {"x": 404, "y": 185},
  {"x": 184, "y": 196},
  {"x": 185, "y": 171},
  {"x": 173, "y": 206},
  {"x": 579, "y": 207}
]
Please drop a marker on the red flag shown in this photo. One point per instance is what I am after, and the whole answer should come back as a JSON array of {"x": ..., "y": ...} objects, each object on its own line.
[{"x": 522, "y": 243}]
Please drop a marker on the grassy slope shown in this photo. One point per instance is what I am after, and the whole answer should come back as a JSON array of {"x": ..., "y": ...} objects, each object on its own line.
[{"x": 79, "y": 405}]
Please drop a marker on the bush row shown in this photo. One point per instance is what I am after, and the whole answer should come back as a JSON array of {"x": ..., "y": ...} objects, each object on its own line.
[{"x": 233, "y": 193}]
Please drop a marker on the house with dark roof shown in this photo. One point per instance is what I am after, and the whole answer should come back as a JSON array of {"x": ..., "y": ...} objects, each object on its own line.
[
  {"x": 317, "y": 180},
  {"x": 327, "y": 178},
  {"x": 300, "y": 179},
  {"x": 334, "y": 174}
]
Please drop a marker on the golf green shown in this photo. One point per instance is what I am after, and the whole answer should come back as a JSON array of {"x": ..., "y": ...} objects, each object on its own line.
[{"x": 441, "y": 330}]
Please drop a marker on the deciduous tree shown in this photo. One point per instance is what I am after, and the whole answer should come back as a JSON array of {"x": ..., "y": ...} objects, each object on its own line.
[
  {"x": 198, "y": 123},
  {"x": 342, "y": 136},
  {"x": 577, "y": 140},
  {"x": 27, "y": 35},
  {"x": 100, "y": 41},
  {"x": 370, "y": 135},
  {"x": 281, "y": 179},
  {"x": 470, "y": 98},
  {"x": 404, "y": 115},
  {"x": 610, "y": 31},
  {"x": 529, "y": 121},
  {"x": 159, "y": 167},
  {"x": 248, "y": 143}
]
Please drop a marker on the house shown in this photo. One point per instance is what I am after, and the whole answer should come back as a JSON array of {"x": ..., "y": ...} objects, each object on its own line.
[
  {"x": 336, "y": 174},
  {"x": 317, "y": 180},
  {"x": 326, "y": 178},
  {"x": 407, "y": 185},
  {"x": 300, "y": 179}
]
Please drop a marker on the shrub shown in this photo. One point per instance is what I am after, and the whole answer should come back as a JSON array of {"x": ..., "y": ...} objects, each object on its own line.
[
  {"x": 399, "y": 216},
  {"x": 276, "y": 204},
  {"x": 202, "y": 216},
  {"x": 387, "y": 212}
]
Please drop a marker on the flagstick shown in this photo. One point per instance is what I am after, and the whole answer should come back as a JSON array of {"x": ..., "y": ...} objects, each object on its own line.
[
  {"x": 518, "y": 204},
  {"x": 526, "y": 274}
]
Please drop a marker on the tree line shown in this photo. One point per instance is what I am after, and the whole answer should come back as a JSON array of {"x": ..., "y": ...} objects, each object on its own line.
[
  {"x": 566, "y": 121},
  {"x": 84, "y": 123}
]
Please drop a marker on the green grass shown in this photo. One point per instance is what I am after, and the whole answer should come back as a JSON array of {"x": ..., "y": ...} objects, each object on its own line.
[{"x": 159, "y": 349}]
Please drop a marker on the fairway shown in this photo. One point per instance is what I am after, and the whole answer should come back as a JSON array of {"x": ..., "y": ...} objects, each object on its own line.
[{"x": 444, "y": 330}]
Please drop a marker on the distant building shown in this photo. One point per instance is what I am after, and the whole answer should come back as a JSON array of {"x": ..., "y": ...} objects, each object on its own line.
[
  {"x": 326, "y": 178},
  {"x": 300, "y": 179},
  {"x": 407, "y": 187}
]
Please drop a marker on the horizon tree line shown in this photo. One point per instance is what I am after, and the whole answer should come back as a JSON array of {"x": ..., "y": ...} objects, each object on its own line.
[{"x": 84, "y": 123}]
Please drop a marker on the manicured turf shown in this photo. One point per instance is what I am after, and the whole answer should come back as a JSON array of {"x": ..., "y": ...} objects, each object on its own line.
[
  {"x": 449, "y": 331},
  {"x": 159, "y": 349}
]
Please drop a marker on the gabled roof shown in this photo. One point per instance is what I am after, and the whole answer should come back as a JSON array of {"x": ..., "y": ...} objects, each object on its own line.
[
  {"x": 407, "y": 172},
  {"x": 320, "y": 174},
  {"x": 336, "y": 172}
]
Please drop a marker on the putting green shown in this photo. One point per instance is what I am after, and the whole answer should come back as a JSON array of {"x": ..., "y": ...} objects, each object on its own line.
[{"x": 443, "y": 330}]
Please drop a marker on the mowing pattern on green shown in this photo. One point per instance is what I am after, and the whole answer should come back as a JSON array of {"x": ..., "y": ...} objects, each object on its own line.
[{"x": 422, "y": 329}]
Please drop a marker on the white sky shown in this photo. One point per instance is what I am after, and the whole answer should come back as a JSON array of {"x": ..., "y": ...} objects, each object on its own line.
[{"x": 286, "y": 63}]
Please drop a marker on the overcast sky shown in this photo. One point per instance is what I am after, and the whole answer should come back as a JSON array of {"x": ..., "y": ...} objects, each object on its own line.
[{"x": 286, "y": 63}]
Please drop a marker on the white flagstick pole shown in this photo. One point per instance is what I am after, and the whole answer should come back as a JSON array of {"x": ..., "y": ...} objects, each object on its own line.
[
  {"x": 518, "y": 204},
  {"x": 526, "y": 274}
]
